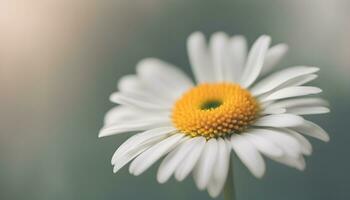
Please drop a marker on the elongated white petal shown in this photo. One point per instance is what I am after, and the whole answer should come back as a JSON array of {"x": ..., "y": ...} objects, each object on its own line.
[
  {"x": 306, "y": 146},
  {"x": 295, "y": 162},
  {"x": 290, "y": 145},
  {"x": 121, "y": 114},
  {"x": 205, "y": 165},
  {"x": 273, "y": 111},
  {"x": 190, "y": 161},
  {"x": 279, "y": 120},
  {"x": 299, "y": 102},
  {"x": 151, "y": 155},
  {"x": 131, "y": 154},
  {"x": 308, "y": 110},
  {"x": 220, "y": 170},
  {"x": 248, "y": 154},
  {"x": 200, "y": 59},
  {"x": 255, "y": 61},
  {"x": 142, "y": 102},
  {"x": 164, "y": 77},
  {"x": 145, "y": 124},
  {"x": 278, "y": 78},
  {"x": 237, "y": 50},
  {"x": 273, "y": 57},
  {"x": 311, "y": 129},
  {"x": 218, "y": 48},
  {"x": 130, "y": 84},
  {"x": 301, "y": 80},
  {"x": 174, "y": 159},
  {"x": 264, "y": 145},
  {"x": 140, "y": 139},
  {"x": 292, "y": 92}
]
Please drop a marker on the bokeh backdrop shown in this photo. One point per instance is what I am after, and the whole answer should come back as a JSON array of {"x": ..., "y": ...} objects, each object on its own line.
[{"x": 60, "y": 60}]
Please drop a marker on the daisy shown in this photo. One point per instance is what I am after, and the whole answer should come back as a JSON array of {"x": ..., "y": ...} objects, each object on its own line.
[{"x": 195, "y": 125}]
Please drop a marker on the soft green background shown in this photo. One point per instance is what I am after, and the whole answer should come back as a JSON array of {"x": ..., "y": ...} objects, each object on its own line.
[{"x": 56, "y": 78}]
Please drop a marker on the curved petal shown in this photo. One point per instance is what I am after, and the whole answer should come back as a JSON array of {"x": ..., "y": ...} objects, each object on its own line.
[
  {"x": 264, "y": 145},
  {"x": 289, "y": 144},
  {"x": 142, "y": 102},
  {"x": 311, "y": 129},
  {"x": 221, "y": 168},
  {"x": 139, "y": 125},
  {"x": 278, "y": 78},
  {"x": 295, "y": 162},
  {"x": 151, "y": 155},
  {"x": 140, "y": 139},
  {"x": 308, "y": 110},
  {"x": 294, "y": 91},
  {"x": 218, "y": 48},
  {"x": 306, "y": 147},
  {"x": 248, "y": 154},
  {"x": 121, "y": 114},
  {"x": 237, "y": 50},
  {"x": 205, "y": 165},
  {"x": 299, "y": 102},
  {"x": 255, "y": 61},
  {"x": 163, "y": 77},
  {"x": 279, "y": 120},
  {"x": 273, "y": 111},
  {"x": 190, "y": 161},
  {"x": 273, "y": 56},
  {"x": 136, "y": 145},
  {"x": 200, "y": 59},
  {"x": 174, "y": 159}
]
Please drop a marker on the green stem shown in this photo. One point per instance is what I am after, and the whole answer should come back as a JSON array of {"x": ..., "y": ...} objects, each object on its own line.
[{"x": 229, "y": 190}]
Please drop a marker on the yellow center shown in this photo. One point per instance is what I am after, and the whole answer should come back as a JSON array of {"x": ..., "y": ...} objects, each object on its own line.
[{"x": 215, "y": 110}]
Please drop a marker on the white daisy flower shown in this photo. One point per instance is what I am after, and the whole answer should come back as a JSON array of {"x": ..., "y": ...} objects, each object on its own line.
[{"x": 196, "y": 125}]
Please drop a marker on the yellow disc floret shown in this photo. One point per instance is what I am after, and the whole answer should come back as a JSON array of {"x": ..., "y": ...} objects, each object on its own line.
[{"x": 215, "y": 110}]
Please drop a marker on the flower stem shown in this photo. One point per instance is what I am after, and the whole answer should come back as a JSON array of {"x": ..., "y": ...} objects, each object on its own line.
[{"x": 229, "y": 190}]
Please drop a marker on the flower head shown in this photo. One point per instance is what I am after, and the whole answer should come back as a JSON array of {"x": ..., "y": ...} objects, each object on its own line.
[{"x": 196, "y": 125}]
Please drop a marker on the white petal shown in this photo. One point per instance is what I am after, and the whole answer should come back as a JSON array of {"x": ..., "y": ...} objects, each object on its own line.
[
  {"x": 121, "y": 114},
  {"x": 248, "y": 154},
  {"x": 237, "y": 50},
  {"x": 200, "y": 59},
  {"x": 301, "y": 80},
  {"x": 220, "y": 170},
  {"x": 190, "y": 161},
  {"x": 313, "y": 130},
  {"x": 278, "y": 78},
  {"x": 151, "y": 155},
  {"x": 142, "y": 102},
  {"x": 164, "y": 77},
  {"x": 205, "y": 165},
  {"x": 306, "y": 146},
  {"x": 262, "y": 144},
  {"x": 255, "y": 61},
  {"x": 131, "y": 84},
  {"x": 308, "y": 110},
  {"x": 274, "y": 111},
  {"x": 140, "y": 125},
  {"x": 131, "y": 154},
  {"x": 290, "y": 145},
  {"x": 273, "y": 57},
  {"x": 141, "y": 138},
  {"x": 292, "y": 92},
  {"x": 218, "y": 44},
  {"x": 280, "y": 120},
  {"x": 296, "y": 162},
  {"x": 299, "y": 102},
  {"x": 174, "y": 159}
]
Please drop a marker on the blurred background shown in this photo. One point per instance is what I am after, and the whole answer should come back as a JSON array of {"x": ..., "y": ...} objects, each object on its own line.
[{"x": 60, "y": 60}]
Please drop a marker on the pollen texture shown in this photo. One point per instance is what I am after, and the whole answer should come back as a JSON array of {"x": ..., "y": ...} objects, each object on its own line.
[{"x": 214, "y": 110}]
